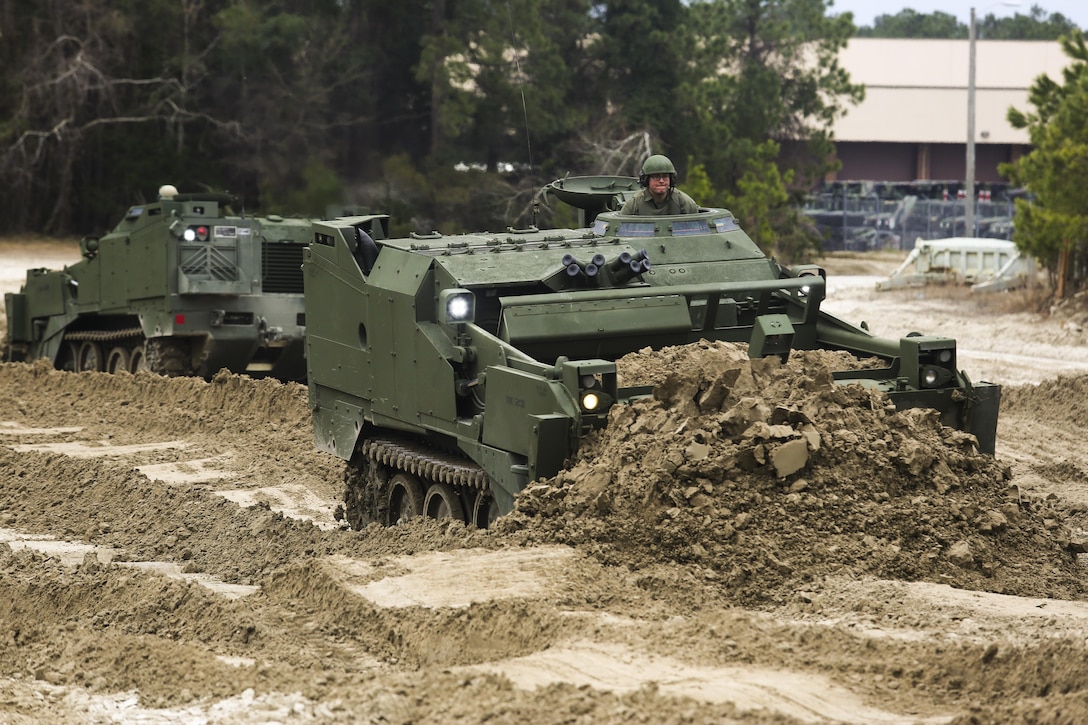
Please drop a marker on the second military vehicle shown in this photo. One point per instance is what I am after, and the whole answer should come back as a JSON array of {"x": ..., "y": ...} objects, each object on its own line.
[
  {"x": 181, "y": 286},
  {"x": 450, "y": 371}
]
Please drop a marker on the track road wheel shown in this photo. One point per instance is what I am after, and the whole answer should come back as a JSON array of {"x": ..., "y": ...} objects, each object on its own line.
[
  {"x": 137, "y": 359},
  {"x": 68, "y": 357},
  {"x": 484, "y": 510},
  {"x": 442, "y": 503},
  {"x": 117, "y": 359},
  {"x": 405, "y": 498},
  {"x": 90, "y": 357}
]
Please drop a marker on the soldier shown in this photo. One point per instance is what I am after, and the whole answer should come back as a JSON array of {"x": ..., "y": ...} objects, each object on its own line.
[{"x": 660, "y": 195}]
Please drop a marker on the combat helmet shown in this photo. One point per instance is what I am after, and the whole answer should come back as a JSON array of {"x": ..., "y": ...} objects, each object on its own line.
[{"x": 657, "y": 164}]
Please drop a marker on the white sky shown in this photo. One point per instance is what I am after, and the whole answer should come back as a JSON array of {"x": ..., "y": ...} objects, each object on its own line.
[{"x": 865, "y": 11}]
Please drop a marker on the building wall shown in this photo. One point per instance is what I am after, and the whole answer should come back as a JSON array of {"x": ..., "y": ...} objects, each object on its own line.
[
  {"x": 912, "y": 124},
  {"x": 876, "y": 161},
  {"x": 886, "y": 161}
]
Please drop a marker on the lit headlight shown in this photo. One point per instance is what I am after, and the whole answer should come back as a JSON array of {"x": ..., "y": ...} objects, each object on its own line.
[
  {"x": 198, "y": 233},
  {"x": 935, "y": 377},
  {"x": 456, "y": 306},
  {"x": 590, "y": 400}
]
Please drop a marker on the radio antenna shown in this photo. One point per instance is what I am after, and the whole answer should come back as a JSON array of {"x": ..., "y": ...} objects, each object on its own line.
[{"x": 521, "y": 86}]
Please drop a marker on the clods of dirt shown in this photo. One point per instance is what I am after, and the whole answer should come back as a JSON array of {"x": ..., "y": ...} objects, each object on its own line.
[{"x": 766, "y": 477}]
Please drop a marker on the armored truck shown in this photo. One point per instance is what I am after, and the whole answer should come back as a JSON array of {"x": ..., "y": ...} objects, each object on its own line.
[
  {"x": 181, "y": 286},
  {"x": 451, "y": 371}
]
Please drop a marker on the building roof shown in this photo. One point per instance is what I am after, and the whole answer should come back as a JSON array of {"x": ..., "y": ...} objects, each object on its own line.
[{"x": 916, "y": 90}]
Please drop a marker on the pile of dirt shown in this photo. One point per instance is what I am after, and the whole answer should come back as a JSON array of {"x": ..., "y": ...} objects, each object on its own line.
[
  {"x": 743, "y": 482},
  {"x": 768, "y": 477},
  {"x": 1062, "y": 400},
  {"x": 1072, "y": 311},
  {"x": 263, "y": 430}
]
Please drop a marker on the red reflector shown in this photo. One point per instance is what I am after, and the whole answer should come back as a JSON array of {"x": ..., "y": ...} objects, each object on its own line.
[{"x": 179, "y": 319}]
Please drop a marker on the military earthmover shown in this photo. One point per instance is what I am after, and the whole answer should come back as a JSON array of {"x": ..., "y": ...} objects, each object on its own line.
[
  {"x": 180, "y": 286},
  {"x": 451, "y": 371}
]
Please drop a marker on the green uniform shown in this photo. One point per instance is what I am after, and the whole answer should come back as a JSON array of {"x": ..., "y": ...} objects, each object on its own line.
[{"x": 675, "y": 202}]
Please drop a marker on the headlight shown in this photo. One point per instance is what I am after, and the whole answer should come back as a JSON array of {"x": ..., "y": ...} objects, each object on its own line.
[
  {"x": 929, "y": 362},
  {"x": 935, "y": 377},
  {"x": 590, "y": 400},
  {"x": 197, "y": 233},
  {"x": 456, "y": 307},
  {"x": 930, "y": 377}
]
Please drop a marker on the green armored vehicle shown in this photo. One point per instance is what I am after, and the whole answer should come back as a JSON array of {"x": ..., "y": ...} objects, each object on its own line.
[
  {"x": 450, "y": 371},
  {"x": 181, "y": 286}
]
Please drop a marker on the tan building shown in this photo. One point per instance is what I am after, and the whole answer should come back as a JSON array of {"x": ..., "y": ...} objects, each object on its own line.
[{"x": 912, "y": 124}]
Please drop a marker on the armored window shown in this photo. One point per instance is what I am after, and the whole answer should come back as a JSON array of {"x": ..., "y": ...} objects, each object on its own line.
[
  {"x": 636, "y": 229},
  {"x": 726, "y": 224},
  {"x": 686, "y": 228}
]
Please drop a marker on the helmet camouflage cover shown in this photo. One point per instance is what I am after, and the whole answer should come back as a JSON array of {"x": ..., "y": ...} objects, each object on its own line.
[{"x": 658, "y": 164}]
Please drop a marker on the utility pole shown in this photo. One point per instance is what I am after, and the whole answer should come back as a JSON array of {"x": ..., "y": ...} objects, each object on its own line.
[{"x": 969, "y": 182}]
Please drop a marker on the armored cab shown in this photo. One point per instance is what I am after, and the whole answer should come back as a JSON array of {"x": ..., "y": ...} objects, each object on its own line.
[
  {"x": 181, "y": 286},
  {"x": 450, "y": 371}
]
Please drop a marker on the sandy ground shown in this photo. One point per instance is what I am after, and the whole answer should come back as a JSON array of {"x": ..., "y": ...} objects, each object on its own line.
[{"x": 168, "y": 551}]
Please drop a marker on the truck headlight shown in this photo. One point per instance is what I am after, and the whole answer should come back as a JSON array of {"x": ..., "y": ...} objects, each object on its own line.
[
  {"x": 456, "y": 307},
  {"x": 590, "y": 400}
]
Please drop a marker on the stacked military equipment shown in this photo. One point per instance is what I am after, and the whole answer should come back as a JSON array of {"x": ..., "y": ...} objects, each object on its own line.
[{"x": 451, "y": 371}]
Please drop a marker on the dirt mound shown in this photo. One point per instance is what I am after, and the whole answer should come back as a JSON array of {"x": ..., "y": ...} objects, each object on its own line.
[
  {"x": 1072, "y": 311},
  {"x": 834, "y": 518},
  {"x": 152, "y": 403},
  {"x": 1062, "y": 400},
  {"x": 262, "y": 430},
  {"x": 767, "y": 477}
]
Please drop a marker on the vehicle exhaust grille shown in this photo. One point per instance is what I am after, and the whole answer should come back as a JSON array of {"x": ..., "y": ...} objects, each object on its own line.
[
  {"x": 281, "y": 267},
  {"x": 209, "y": 262}
]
